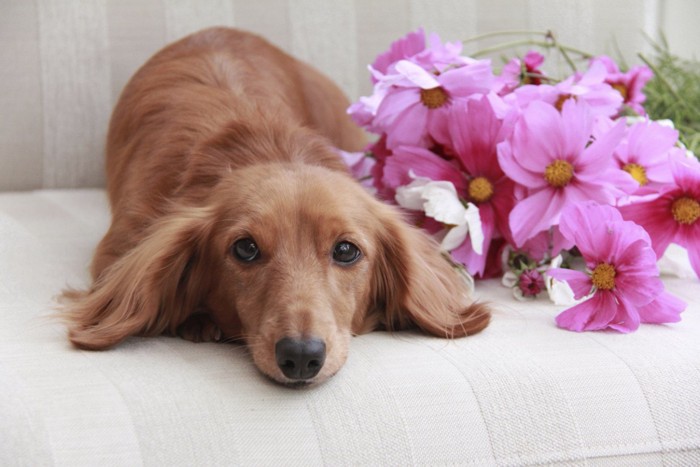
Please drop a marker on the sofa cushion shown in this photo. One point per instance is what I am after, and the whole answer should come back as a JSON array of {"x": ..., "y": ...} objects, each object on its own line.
[{"x": 521, "y": 392}]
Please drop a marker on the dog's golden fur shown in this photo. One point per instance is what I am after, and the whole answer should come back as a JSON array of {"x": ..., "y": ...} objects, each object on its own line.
[{"x": 222, "y": 136}]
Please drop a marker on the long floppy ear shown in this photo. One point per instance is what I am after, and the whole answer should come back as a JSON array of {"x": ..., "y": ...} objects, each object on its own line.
[
  {"x": 416, "y": 286},
  {"x": 151, "y": 289}
]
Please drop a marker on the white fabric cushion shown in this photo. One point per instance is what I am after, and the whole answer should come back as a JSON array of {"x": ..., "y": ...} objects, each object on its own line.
[{"x": 521, "y": 392}]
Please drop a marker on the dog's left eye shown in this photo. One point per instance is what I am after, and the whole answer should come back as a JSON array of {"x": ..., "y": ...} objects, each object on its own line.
[
  {"x": 345, "y": 253},
  {"x": 246, "y": 250}
]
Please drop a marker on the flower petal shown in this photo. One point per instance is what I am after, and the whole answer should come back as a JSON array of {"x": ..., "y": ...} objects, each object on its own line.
[
  {"x": 693, "y": 247},
  {"x": 592, "y": 315},
  {"x": 466, "y": 254},
  {"x": 538, "y": 137},
  {"x": 411, "y": 196},
  {"x": 454, "y": 237},
  {"x": 598, "y": 156},
  {"x": 396, "y": 102},
  {"x": 579, "y": 282},
  {"x": 535, "y": 213},
  {"x": 417, "y": 75},
  {"x": 626, "y": 318},
  {"x": 423, "y": 163},
  {"x": 559, "y": 292},
  {"x": 655, "y": 217},
  {"x": 443, "y": 204},
  {"x": 519, "y": 174},
  {"x": 665, "y": 308},
  {"x": 409, "y": 128},
  {"x": 476, "y": 233}
]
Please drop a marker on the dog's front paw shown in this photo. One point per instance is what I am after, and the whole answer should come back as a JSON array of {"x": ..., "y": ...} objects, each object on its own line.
[{"x": 199, "y": 328}]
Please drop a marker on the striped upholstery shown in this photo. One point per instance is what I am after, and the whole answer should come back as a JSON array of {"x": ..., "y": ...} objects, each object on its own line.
[{"x": 522, "y": 392}]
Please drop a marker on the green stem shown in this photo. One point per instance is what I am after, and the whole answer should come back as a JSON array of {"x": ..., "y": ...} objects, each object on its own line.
[
  {"x": 505, "y": 33},
  {"x": 508, "y": 45},
  {"x": 543, "y": 44}
]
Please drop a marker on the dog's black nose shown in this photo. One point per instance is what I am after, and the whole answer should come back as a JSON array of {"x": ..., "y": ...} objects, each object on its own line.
[{"x": 300, "y": 359}]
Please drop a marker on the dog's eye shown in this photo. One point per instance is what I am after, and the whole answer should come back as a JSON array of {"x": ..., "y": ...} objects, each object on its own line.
[
  {"x": 345, "y": 253},
  {"x": 246, "y": 250}
]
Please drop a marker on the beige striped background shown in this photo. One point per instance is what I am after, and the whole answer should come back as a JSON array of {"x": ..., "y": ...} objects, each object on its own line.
[{"x": 64, "y": 62}]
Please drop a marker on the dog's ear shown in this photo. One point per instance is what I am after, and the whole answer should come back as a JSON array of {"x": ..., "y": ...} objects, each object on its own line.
[
  {"x": 151, "y": 289},
  {"x": 414, "y": 285}
]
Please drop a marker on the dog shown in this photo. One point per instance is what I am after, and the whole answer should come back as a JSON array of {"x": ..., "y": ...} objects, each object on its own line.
[{"x": 234, "y": 219}]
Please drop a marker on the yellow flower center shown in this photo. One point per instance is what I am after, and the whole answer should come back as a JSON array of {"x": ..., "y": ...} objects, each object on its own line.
[
  {"x": 603, "y": 276},
  {"x": 559, "y": 104},
  {"x": 622, "y": 89},
  {"x": 685, "y": 210},
  {"x": 480, "y": 189},
  {"x": 637, "y": 172},
  {"x": 433, "y": 98},
  {"x": 559, "y": 173}
]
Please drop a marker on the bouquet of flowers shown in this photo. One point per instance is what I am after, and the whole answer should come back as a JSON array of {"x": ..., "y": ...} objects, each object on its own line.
[{"x": 557, "y": 185}]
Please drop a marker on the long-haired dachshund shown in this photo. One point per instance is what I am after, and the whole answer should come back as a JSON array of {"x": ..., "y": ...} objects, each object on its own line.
[{"x": 234, "y": 219}]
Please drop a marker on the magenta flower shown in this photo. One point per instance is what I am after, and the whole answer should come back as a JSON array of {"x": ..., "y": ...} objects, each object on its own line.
[
  {"x": 622, "y": 278},
  {"x": 531, "y": 283},
  {"x": 589, "y": 87},
  {"x": 404, "y": 48},
  {"x": 644, "y": 154},
  {"x": 423, "y": 163},
  {"x": 433, "y": 56},
  {"x": 674, "y": 216},
  {"x": 550, "y": 155},
  {"x": 475, "y": 132},
  {"x": 390, "y": 71},
  {"x": 521, "y": 72},
  {"x": 414, "y": 110},
  {"x": 630, "y": 85}
]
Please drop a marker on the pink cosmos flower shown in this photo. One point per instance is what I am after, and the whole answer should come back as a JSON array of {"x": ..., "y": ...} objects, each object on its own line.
[
  {"x": 673, "y": 216},
  {"x": 630, "y": 84},
  {"x": 414, "y": 110},
  {"x": 521, "y": 72},
  {"x": 531, "y": 283},
  {"x": 644, "y": 154},
  {"x": 401, "y": 49},
  {"x": 550, "y": 155},
  {"x": 475, "y": 131},
  {"x": 622, "y": 278},
  {"x": 435, "y": 57},
  {"x": 589, "y": 87}
]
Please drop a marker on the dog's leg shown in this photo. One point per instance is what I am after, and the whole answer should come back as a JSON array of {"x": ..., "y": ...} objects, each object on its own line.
[{"x": 199, "y": 327}]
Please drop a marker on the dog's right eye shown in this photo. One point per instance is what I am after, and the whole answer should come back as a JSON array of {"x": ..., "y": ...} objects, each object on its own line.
[{"x": 245, "y": 250}]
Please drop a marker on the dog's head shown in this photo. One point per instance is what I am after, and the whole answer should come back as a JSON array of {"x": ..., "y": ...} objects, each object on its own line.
[
  {"x": 305, "y": 258},
  {"x": 292, "y": 258}
]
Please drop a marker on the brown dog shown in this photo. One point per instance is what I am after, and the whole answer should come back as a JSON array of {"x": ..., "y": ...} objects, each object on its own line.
[{"x": 234, "y": 219}]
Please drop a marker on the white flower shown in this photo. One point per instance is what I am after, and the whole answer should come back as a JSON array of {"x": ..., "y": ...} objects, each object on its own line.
[
  {"x": 440, "y": 201},
  {"x": 559, "y": 291},
  {"x": 675, "y": 262}
]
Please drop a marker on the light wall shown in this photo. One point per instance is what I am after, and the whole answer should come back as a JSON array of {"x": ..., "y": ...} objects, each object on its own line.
[{"x": 63, "y": 63}]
